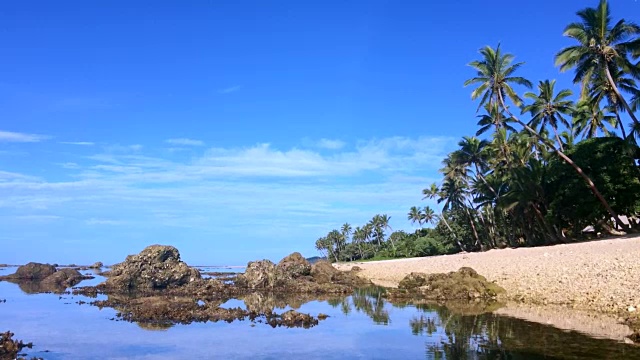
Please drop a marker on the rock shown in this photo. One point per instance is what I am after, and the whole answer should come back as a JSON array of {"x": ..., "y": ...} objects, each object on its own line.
[
  {"x": 97, "y": 265},
  {"x": 323, "y": 272},
  {"x": 63, "y": 278},
  {"x": 356, "y": 268},
  {"x": 33, "y": 271},
  {"x": 322, "y": 316},
  {"x": 631, "y": 309},
  {"x": 293, "y": 318},
  {"x": 155, "y": 267},
  {"x": 293, "y": 266},
  {"x": 10, "y": 348},
  {"x": 258, "y": 275},
  {"x": 464, "y": 284}
]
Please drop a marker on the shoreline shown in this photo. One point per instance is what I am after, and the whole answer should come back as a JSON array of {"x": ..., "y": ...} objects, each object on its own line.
[{"x": 600, "y": 276}]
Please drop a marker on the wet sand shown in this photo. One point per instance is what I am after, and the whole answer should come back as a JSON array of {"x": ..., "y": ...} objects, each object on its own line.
[{"x": 601, "y": 276}]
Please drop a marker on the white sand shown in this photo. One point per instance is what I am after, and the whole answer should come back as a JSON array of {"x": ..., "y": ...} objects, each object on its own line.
[{"x": 599, "y": 275}]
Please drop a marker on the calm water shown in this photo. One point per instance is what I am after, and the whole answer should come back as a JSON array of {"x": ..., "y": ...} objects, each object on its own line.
[{"x": 361, "y": 326}]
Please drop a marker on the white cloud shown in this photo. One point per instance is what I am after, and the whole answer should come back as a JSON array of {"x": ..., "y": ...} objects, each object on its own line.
[
  {"x": 185, "y": 142},
  {"x": 230, "y": 89},
  {"x": 278, "y": 193},
  {"x": 8, "y": 136},
  {"x": 97, "y": 221},
  {"x": 79, "y": 143},
  {"x": 331, "y": 144}
]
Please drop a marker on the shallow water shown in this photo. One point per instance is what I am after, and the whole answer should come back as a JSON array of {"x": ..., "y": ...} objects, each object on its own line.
[{"x": 361, "y": 326}]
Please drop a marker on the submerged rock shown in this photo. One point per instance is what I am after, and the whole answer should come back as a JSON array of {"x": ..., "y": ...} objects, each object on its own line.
[
  {"x": 464, "y": 284},
  {"x": 155, "y": 267}
]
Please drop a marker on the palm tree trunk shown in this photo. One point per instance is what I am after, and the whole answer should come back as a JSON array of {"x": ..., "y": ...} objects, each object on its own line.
[
  {"x": 568, "y": 160},
  {"x": 484, "y": 180},
  {"x": 622, "y": 99},
  {"x": 624, "y": 133},
  {"x": 555, "y": 131},
  {"x": 444, "y": 220},
  {"x": 473, "y": 227}
]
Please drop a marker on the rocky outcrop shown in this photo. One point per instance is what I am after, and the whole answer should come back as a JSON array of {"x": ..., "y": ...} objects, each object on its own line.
[
  {"x": 97, "y": 265},
  {"x": 258, "y": 275},
  {"x": 32, "y": 271},
  {"x": 9, "y": 348},
  {"x": 295, "y": 274},
  {"x": 154, "y": 268},
  {"x": 39, "y": 278},
  {"x": 63, "y": 278},
  {"x": 464, "y": 284},
  {"x": 293, "y": 266}
]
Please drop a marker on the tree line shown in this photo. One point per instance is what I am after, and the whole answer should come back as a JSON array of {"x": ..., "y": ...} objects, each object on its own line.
[{"x": 541, "y": 167}]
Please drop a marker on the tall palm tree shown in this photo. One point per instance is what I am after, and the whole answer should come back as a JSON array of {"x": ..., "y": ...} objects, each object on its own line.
[
  {"x": 428, "y": 215},
  {"x": 346, "y": 231},
  {"x": 494, "y": 75},
  {"x": 602, "y": 47},
  {"x": 454, "y": 196},
  {"x": 359, "y": 238},
  {"x": 473, "y": 152},
  {"x": 415, "y": 215},
  {"x": 433, "y": 192},
  {"x": 589, "y": 119},
  {"x": 602, "y": 90},
  {"x": 548, "y": 108}
]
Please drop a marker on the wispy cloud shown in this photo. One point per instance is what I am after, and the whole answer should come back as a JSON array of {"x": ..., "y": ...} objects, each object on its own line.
[
  {"x": 331, "y": 144},
  {"x": 282, "y": 194},
  {"x": 9, "y": 136},
  {"x": 79, "y": 143},
  {"x": 230, "y": 89},
  {"x": 185, "y": 142}
]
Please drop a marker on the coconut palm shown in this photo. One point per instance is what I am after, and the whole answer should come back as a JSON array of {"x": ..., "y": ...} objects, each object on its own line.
[
  {"x": 473, "y": 152},
  {"x": 415, "y": 215},
  {"x": 548, "y": 108},
  {"x": 433, "y": 192},
  {"x": 602, "y": 47},
  {"x": 428, "y": 215},
  {"x": 601, "y": 90},
  {"x": 589, "y": 119},
  {"x": 494, "y": 75}
]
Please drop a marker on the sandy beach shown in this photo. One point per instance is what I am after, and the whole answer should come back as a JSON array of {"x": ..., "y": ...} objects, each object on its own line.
[{"x": 599, "y": 275}]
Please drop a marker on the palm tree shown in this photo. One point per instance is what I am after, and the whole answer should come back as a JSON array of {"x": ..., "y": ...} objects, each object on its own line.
[
  {"x": 415, "y": 215},
  {"x": 358, "y": 238},
  {"x": 589, "y": 118},
  {"x": 433, "y": 192},
  {"x": 473, "y": 152},
  {"x": 346, "y": 231},
  {"x": 602, "y": 90},
  {"x": 548, "y": 108},
  {"x": 453, "y": 194},
  {"x": 428, "y": 215},
  {"x": 601, "y": 48},
  {"x": 494, "y": 75}
]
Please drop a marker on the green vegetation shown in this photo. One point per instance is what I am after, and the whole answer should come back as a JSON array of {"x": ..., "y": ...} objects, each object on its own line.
[{"x": 528, "y": 182}]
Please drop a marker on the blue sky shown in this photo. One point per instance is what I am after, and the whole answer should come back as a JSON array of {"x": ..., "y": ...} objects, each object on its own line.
[{"x": 238, "y": 130}]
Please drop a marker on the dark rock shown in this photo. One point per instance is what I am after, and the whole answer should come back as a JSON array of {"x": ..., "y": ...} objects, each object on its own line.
[
  {"x": 64, "y": 278},
  {"x": 32, "y": 271},
  {"x": 323, "y": 272},
  {"x": 96, "y": 265},
  {"x": 293, "y": 266},
  {"x": 293, "y": 318},
  {"x": 155, "y": 267},
  {"x": 258, "y": 275},
  {"x": 356, "y": 268},
  {"x": 464, "y": 284},
  {"x": 10, "y": 348},
  {"x": 322, "y": 316}
]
